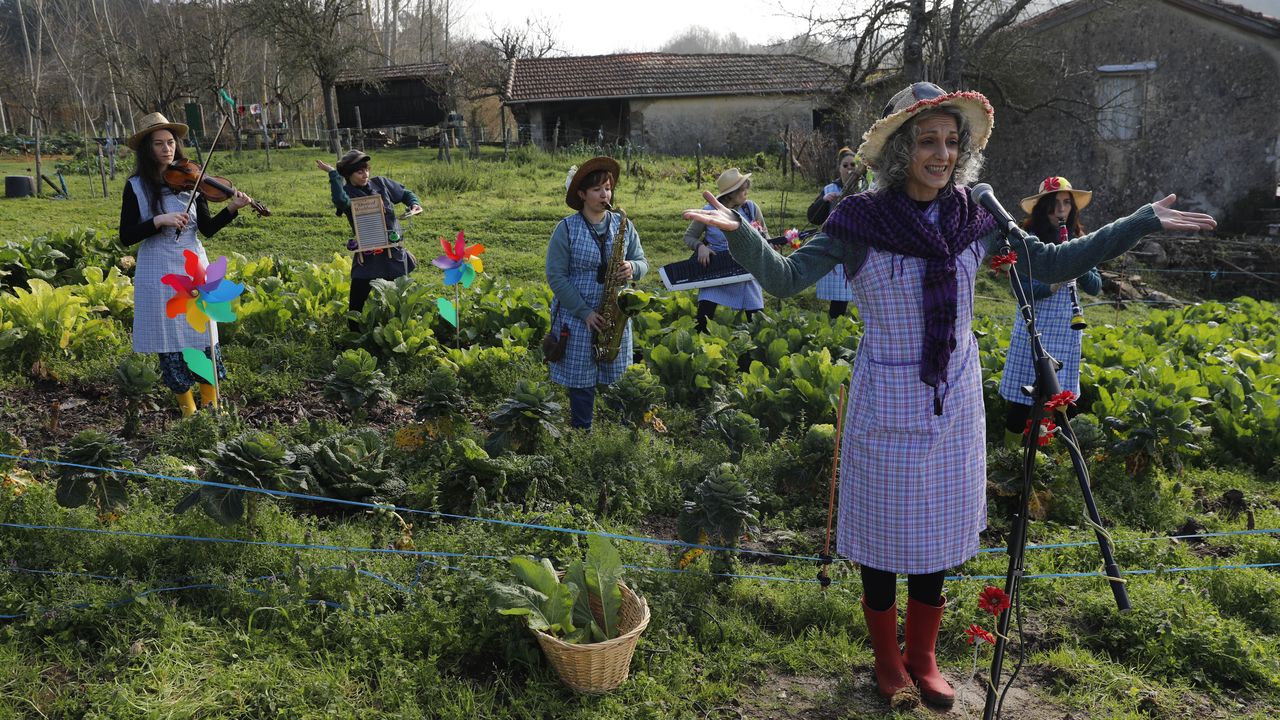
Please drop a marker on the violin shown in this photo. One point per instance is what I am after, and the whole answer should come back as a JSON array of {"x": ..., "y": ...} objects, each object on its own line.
[{"x": 182, "y": 175}]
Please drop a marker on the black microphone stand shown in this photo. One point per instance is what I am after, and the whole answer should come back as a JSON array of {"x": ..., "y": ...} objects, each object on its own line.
[{"x": 1045, "y": 387}]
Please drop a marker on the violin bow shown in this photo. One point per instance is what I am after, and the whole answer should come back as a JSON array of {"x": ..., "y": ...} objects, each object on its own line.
[{"x": 204, "y": 168}]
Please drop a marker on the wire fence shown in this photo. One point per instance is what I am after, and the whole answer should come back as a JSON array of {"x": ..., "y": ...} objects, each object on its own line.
[{"x": 444, "y": 559}]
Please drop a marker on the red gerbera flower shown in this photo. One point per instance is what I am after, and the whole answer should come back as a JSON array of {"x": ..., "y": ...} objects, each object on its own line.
[
  {"x": 976, "y": 633},
  {"x": 1048, "y": 429},
  {"x": 1050, "y": 183},
  {"x": 1001, "y": 261},
  {"x": 1061, "y": 400},
  {"x": 993, "y": 600}
]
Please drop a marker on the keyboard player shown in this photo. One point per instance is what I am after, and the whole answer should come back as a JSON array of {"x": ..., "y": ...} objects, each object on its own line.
[{"x": 732, "y": 188}]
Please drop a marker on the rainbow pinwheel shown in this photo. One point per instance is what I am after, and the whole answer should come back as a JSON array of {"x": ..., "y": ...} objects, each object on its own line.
[
  {"x": 203, "y": 294},
  {"x": 460, "y": 262}
]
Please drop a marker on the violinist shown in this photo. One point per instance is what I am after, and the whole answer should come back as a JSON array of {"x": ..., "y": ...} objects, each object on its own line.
[
  {"x": 156, "y": 215},
  {"x": 351, "y": 178}
]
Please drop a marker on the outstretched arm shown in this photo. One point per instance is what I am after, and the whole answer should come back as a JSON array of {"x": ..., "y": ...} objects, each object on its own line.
[
  {"x": 1055, "y": 263},
  {"x": 780, "y": 276}
]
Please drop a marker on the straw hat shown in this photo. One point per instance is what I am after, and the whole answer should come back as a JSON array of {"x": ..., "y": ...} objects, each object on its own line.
[
  {"x": 923, "y": 97},
  {"x": 152, "y": 122},
  {"x": 350, "y": 162},
  {"x": 1054, "y": 185},
  {"x": 578, "y": 175},
  {"x": 729, "y": 181}
]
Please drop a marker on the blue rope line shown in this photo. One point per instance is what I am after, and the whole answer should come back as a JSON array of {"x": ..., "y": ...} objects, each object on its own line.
[
  {"x": 426, "y": 553},
  {"x": 396, "y": 508},
  {"x": 642, "y": 568}
]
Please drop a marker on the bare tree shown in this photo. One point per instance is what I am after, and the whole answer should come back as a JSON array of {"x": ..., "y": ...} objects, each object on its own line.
[
  {"x": 701, "y": 39},
  {"x": 483, "y": 65},
  {"x": 914, "y": 37},
  {"x": 325, "y": 36},
  {"x": 35, "y": 69}
]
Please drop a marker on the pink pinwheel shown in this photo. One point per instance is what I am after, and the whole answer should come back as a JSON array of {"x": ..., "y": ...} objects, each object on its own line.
[
  {"x": 202, "y": 294},
  {"x": 460, "y": 262}
]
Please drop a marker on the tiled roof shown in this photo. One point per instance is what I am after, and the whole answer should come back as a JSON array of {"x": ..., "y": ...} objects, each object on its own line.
[
  {"x": 427, "y": 71},
  {"x": 665, "y": 75},
  {"x": 1230, "y": 13}
]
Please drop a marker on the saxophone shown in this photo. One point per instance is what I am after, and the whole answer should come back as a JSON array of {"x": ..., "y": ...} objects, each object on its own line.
[{"x": 606, "y": 343}]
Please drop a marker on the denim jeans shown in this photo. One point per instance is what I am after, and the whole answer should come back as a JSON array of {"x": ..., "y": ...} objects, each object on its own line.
[{"x": 582, "y": 403}]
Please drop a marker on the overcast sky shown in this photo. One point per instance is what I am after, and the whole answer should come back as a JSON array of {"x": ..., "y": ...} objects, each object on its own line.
[
  {"x": 584, "y": 28},
  {"x": 594, "y": 28}
]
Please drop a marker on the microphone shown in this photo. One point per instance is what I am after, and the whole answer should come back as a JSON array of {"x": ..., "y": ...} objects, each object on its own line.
[{"x": 985, "y": 197}]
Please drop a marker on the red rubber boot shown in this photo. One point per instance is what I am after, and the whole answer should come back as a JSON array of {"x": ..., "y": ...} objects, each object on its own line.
[
  {"x": 891, "y": 674},
  {"x": 922, "y": 636}
]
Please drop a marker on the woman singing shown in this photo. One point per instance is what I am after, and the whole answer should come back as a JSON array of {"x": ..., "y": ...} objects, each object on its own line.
[{"x": 913, "y": 458}]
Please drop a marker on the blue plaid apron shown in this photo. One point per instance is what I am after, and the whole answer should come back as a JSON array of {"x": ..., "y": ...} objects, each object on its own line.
[
  {"x": 579, "y": 369},
  {"x": 160, "y": 255},
  {"x": 834, "y": 285},
  {"x": 1053, "y": 322}
]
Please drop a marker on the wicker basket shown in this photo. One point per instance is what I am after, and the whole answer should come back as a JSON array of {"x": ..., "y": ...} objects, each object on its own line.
[{"x": 603, "y": 666}]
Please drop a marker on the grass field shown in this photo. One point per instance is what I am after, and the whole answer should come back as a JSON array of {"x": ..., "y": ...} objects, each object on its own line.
[{"x": 307, "y": 609}]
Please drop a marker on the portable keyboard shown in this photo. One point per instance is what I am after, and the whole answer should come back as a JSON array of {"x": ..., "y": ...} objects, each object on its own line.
[{"x": 691, "y": 275}]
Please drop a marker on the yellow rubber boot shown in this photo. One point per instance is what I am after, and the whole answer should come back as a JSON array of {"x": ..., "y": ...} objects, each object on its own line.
[
  {"x": 208, "y": 396},
  {"x": 186, "y": 403}
]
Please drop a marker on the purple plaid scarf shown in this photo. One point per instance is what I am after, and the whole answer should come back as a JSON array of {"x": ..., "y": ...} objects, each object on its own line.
[{"x": 888, "y": 220}]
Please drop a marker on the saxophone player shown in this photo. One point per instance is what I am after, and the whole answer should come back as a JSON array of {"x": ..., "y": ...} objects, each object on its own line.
[{"x": 582, "y": 266}]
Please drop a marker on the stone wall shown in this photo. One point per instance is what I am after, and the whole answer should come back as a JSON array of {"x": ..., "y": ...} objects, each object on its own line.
[
  {"x": 724, "y": 125},
  {"x": 1211, "y": 119}
]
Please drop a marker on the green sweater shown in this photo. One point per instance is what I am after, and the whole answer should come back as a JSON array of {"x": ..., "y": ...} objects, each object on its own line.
[{"x": 787, "y": 275}]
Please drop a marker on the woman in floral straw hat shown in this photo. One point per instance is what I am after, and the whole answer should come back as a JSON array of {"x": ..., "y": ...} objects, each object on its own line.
[
  {"x": 577, "y": 260},
  {"x": 155, "y": 216},
  {"x": 913, "y": 455},
  {"x": 732, "y": 189},
  {"x": 834, "y": 287},
  {"x": 1053, "y": 215}
]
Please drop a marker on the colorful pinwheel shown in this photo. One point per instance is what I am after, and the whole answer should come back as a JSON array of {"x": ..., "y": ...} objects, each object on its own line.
[
  {"x": 203, "y": 294},
  {"x": 460, "y": 262}
]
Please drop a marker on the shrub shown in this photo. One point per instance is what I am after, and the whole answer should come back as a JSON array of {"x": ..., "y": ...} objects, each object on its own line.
[
  {"x": 136, "y": 378},
  {"x": 350, "y": 466},
  {"x": 721, "y": 511},
  {"x": 734, "y": 428},
  {"x": 520, "y": 421},
  {"x": 78, "y": 486},
  {"x": 635, "y": 394},
  {"x": 357, "y": 382},
  {"x": 1173, "y": 633},
  {"x": 254, "y": 459},
  {"x": 615, "y": 471},
  {"x": 46, "y": 321}
]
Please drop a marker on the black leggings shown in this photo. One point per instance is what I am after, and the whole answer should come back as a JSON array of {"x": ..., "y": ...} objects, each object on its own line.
[
  {"x": 837, "y": 308},
  {"x": 706, "y": 309},
  {"x": 880, "y": 588}
]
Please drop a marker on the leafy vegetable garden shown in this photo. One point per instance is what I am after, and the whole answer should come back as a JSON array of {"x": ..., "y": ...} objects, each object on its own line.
[{"x": 361, "y": 531}]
